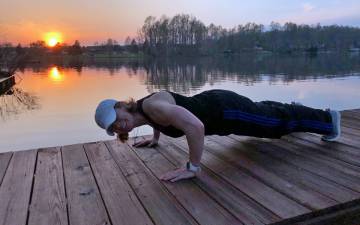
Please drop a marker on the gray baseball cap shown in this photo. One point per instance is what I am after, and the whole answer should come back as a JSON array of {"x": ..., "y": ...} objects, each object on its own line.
[{"x": 105, "y": 114}]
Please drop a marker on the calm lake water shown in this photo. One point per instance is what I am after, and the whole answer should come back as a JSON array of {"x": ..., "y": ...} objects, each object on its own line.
[{"x": 53, "y": 104}]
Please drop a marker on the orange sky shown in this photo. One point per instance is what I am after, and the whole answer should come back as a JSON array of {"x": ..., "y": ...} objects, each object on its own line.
[
  {"x": 83, "y": 20},
  {"x": 24, "y": 21}
]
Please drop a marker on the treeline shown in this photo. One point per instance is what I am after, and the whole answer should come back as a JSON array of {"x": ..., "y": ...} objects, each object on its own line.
[
  {"x": 17, "y": 56},
  {"x": 13, "y": 57},
  {"x": 180, "y": 34},
  {"x": 185, "y": 35},
  {"x": 40, "y": 48}
]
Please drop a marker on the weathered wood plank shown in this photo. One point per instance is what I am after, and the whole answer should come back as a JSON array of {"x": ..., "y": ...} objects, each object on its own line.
[
  {"x": 339, "y": 155},
  {"x": 16, "y": 188},
  {"x": 48, "y": 203},
  {"x": 120, "y": 200},
  {"x": 85, "y": 204},
  {"x": 342, "y": 214},
  {"x": 4, "y": 162},
  {"x": 202, "y": 207},
  {"x": 244, "y": 208},
  {"x": 263, "y": 194},
  {"x": 351, "y": 115},
  {"x": 306, "y": 163},
  {"x": 349, "y": 216},
  {"x": 331, "y": 146},
  {"x": 159, "y": 203},
  {"x": 349, "y": 131},
  {"x": 355, "y": 110},
  {"x": 287, "y": 171},
  {"x": 352, "y": 171},
  {"x": 351, "y": 123},
  {"x": 294, "y": 190},
  {"x": 351, "y": 140}
]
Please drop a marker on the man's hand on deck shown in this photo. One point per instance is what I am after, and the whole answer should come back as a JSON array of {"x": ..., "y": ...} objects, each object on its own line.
[{"x": 178, "y": 174}]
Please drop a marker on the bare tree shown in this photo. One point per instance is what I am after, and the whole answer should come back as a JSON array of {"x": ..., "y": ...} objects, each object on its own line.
[
  {"x": 127, "y": 41},
  {"x": 17, "y": 101}
]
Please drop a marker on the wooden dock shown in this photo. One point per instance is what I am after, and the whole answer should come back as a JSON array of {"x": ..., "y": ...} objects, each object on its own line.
[
  {"x": 298, "y": 179},
  {"x": 6, "y": 83}
]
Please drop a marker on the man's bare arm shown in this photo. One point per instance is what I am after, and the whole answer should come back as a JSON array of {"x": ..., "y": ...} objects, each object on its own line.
[
  {"x": 182, "y": 119},
  {"x": 156, "y": 135}
]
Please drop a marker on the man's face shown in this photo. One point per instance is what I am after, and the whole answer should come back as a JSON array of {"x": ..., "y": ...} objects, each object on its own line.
[{"x": 124, "y": 122}]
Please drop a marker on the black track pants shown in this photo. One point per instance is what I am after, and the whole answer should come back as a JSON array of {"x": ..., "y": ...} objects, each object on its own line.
[{"x": 270, "y": 119}]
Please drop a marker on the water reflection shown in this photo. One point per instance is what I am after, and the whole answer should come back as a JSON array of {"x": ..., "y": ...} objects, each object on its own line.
[
  {"x": 55, "y": 75},
  {"x": 69, "y": 90},
  {"x": 190, "y": 74}
]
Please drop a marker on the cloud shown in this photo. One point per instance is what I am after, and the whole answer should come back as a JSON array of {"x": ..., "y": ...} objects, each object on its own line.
[
  {"x": 307, "y": 7},
  {"x": 338, "y": 13}
]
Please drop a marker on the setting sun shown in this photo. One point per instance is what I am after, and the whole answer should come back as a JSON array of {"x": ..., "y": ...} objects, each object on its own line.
[{"x": 53, "y": 38}]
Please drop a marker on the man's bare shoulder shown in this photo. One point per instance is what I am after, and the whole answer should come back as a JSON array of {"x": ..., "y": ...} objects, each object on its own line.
[
  {"x": 161, "y": 97},
  {"x": 156, "y": 105}
]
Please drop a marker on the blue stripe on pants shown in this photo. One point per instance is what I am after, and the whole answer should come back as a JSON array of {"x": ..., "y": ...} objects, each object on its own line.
[{"x": 275, "y": 122}]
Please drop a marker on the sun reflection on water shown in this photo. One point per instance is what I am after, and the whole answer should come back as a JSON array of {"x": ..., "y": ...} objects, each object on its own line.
[{"x": 55, "y": 74}]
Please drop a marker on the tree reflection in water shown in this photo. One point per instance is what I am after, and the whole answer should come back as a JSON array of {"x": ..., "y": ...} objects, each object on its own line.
[
  {"x": 186, "y": 74},
  {"x": 17, "y": 101}
]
